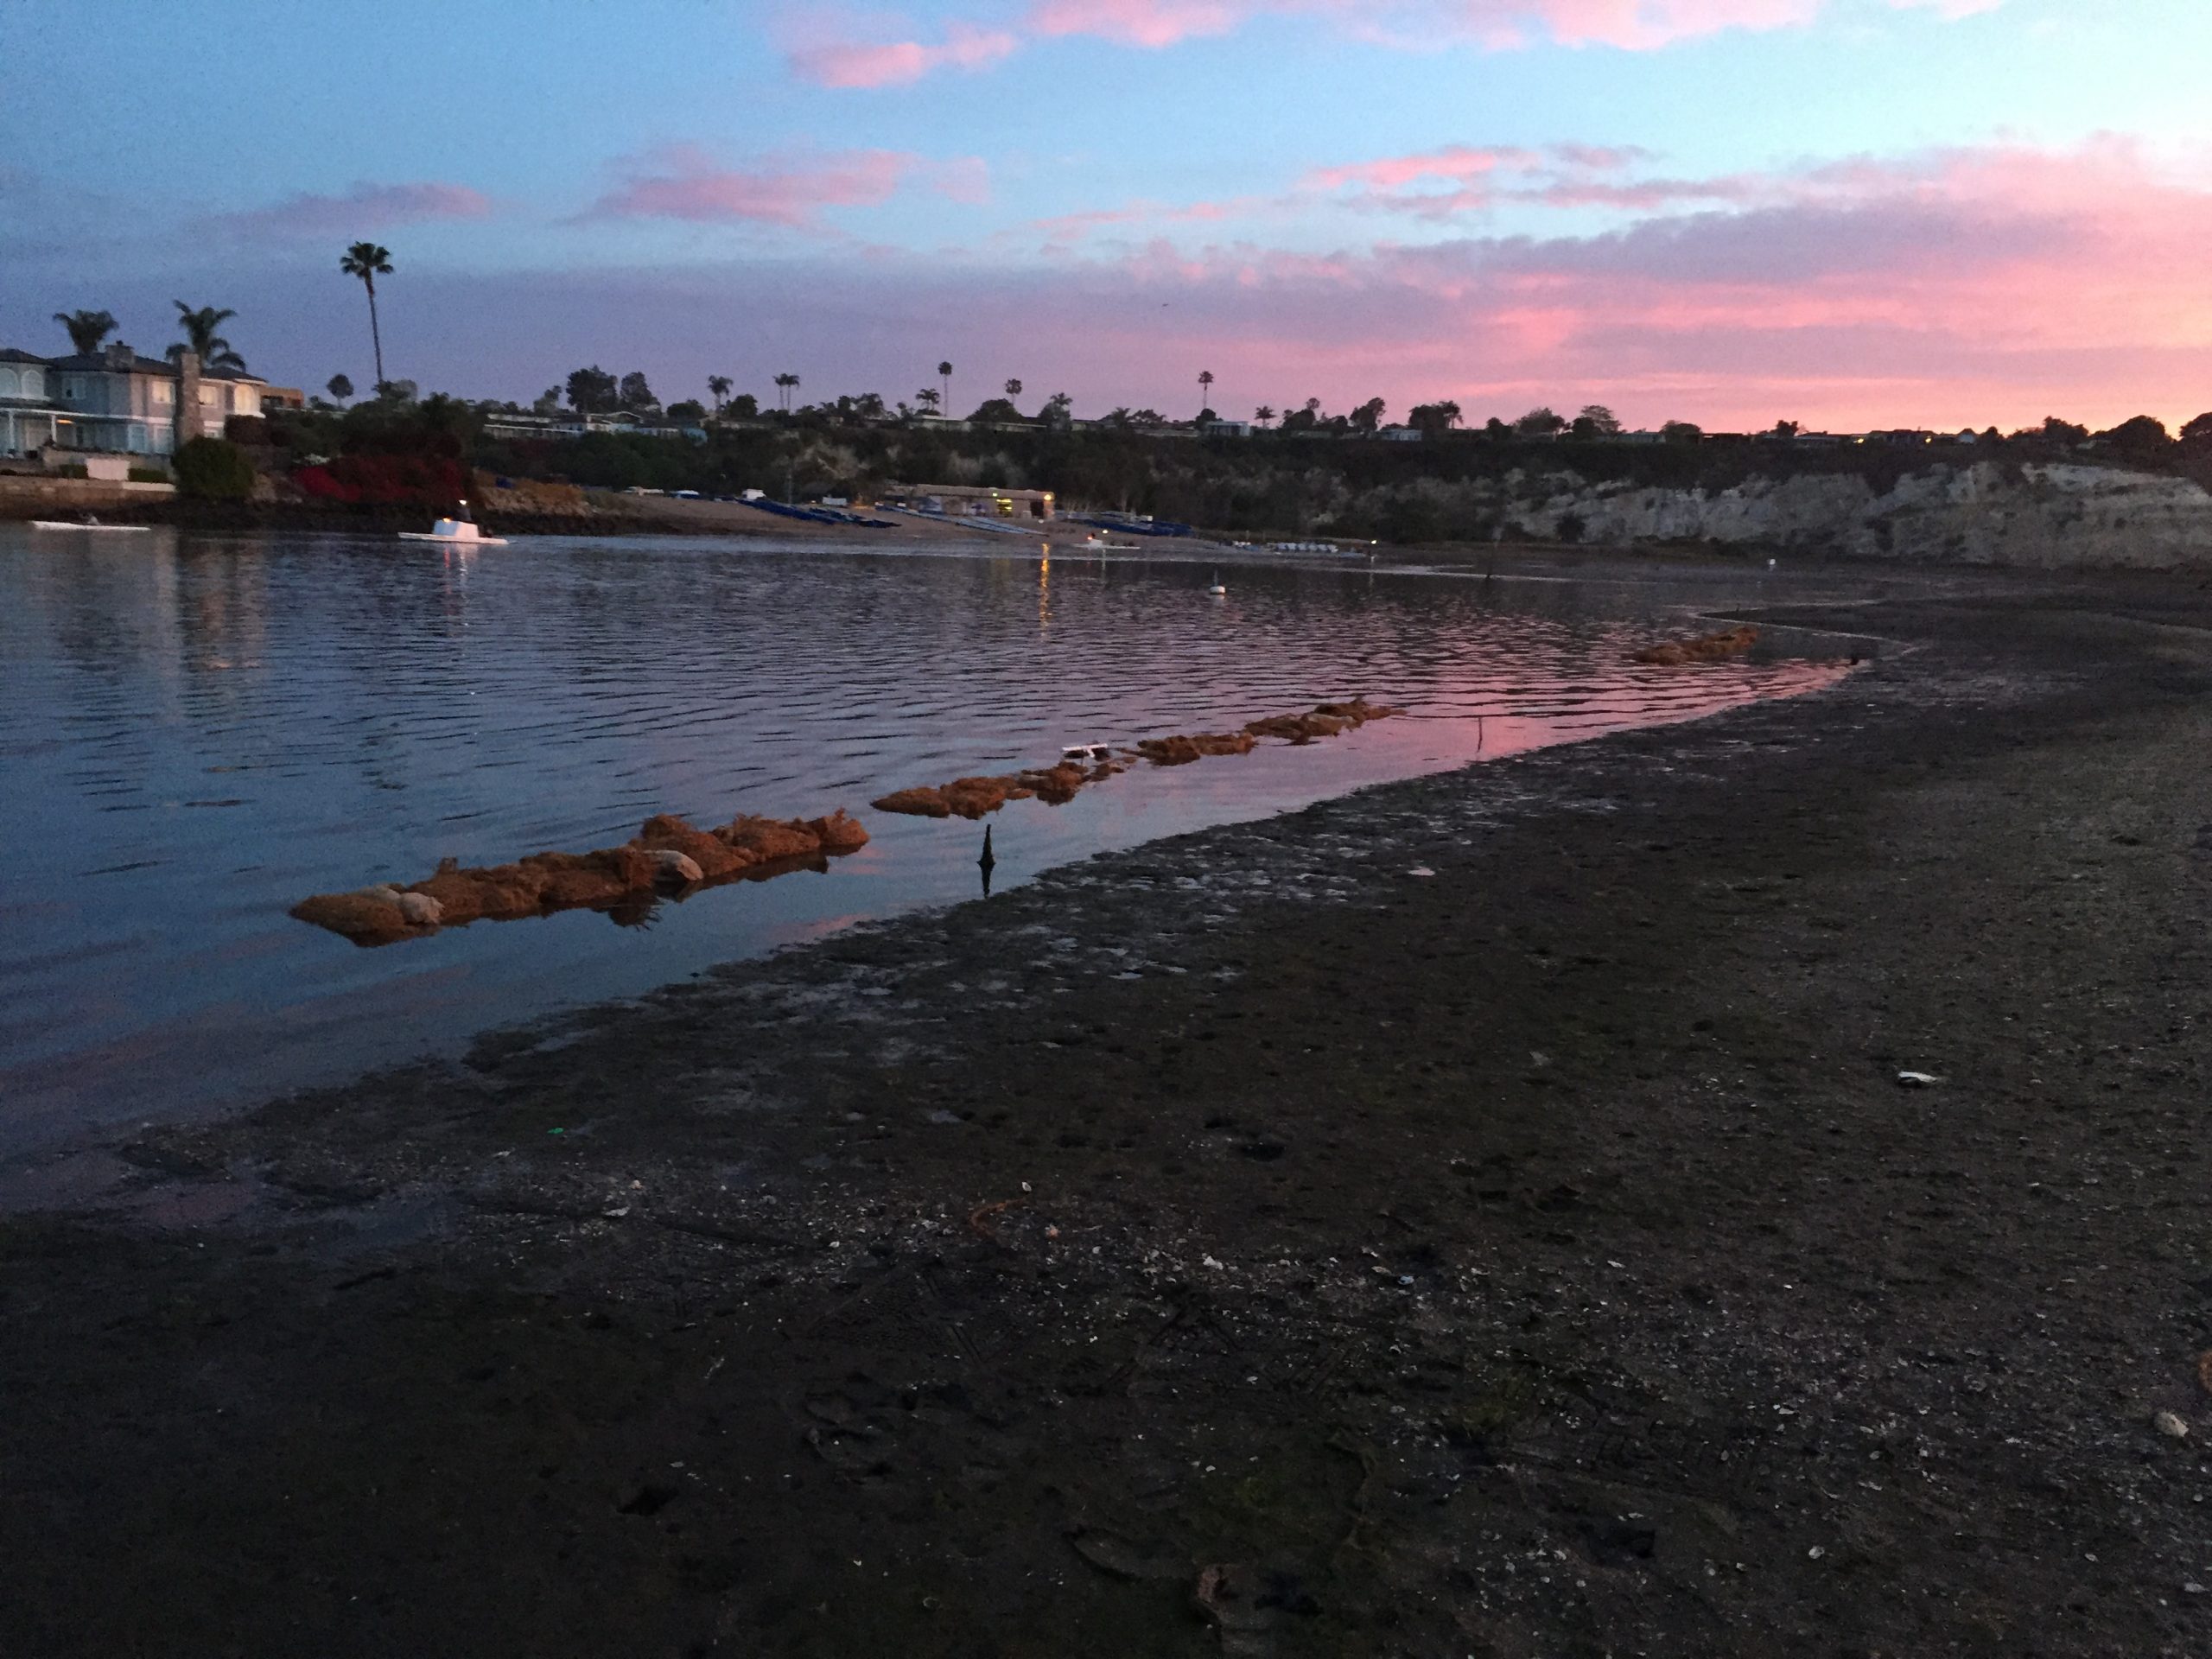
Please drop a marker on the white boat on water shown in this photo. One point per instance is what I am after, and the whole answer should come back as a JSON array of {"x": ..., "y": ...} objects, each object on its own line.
[
  {"x": 90, "y": 523},
  {"x": 461, "y": 531}
]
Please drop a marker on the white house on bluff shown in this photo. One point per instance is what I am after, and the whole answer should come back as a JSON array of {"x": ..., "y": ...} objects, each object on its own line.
[{"x": 114, "y": 402}]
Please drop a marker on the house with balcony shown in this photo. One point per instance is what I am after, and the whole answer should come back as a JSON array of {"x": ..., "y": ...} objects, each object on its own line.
[
  {"x": 27, "y": 410},
  {"x": 115, "y": 402}
]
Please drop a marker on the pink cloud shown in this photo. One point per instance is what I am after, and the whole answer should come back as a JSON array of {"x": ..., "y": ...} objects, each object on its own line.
[
  {"x": 1631, "y": 25},
  {"x": 1566, "y": 174},
  {"x": 364, "y": 207},
  {"x": 683, "y": 182},
  {"x": 1972, "y": 285},
  {"x": 1497, "y": 25},
  {"x": 1141, "y": 22},
  {"x": 859, "y": 64},
  {"x": 1457, "y": 163}
]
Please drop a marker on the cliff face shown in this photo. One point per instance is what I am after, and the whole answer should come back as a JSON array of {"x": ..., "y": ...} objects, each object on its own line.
[{"x": 2044, "y": 516}]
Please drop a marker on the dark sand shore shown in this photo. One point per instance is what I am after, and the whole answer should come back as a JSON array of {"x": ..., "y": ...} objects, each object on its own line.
[{"x": 1248, "y": 1245}]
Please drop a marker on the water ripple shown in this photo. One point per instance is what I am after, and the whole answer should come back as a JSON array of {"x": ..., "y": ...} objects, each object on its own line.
[{"x": 394, "y": 706}]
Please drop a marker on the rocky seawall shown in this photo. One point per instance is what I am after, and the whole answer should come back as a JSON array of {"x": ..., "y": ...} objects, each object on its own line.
[{"x": 2057, "y": 516}]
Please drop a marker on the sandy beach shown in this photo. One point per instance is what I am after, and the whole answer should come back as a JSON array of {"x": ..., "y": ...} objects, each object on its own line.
[{"x": 1480, "y": 1215}]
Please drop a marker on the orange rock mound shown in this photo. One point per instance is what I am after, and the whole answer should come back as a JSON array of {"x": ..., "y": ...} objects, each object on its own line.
[
  {"x": 1327, "y": 720},
  {"x": 1358, "y": 710},
  {"x": 971, "y": 797},
  {"x": 667, "y": 852},
  {"x": 369, "y": 918},
  {"x": 1183, "y": 748},
  {"x": 1709, "y": 648}
]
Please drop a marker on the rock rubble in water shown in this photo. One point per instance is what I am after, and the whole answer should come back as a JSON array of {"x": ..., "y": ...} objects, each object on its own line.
[
  {"x": 1708, "y": 648},
  {"x": 667, "y": 853},
  {"x": 972, "y": 797}
]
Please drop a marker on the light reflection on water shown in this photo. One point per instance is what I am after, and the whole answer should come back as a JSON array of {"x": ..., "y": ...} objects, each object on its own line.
[{"x": 197, "y": 731}]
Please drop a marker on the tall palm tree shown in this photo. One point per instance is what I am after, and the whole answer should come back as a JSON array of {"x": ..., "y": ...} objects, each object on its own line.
[
  {"x": 944, "y": 374},
  {"x": 1013, "y": 390},
  {"x": 86, "y": 328},
  {"x": 785, "y": 384},
  {"x": 202, "y": 339},
  {"x": 718, "y": 389},
  {"x": 1205, "y": 389},
  {"x": 368, "y": 261},
  {"x": 1264, "y": 414}
]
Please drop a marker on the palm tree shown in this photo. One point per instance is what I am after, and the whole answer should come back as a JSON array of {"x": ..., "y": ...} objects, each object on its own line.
[
  {"x": 718, "y": 389},
  {"x": 785, "y": 384},
  {"x": 202, "y": 339},
  {"x": 927, "y": 398},
  {"x": 1264, "y": 414},
  {"x": 1205, "y": 389},
  {"x": 340, "y": 387},
  {"x": 368, "y": 261},
  {"x": 1013, "y": 390},
  {"x": 944, "y": 374},
  {"x": 86, "y": 328}
]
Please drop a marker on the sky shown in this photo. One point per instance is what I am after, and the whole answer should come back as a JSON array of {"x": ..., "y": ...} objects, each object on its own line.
[{"x": 1851, "y": 214}]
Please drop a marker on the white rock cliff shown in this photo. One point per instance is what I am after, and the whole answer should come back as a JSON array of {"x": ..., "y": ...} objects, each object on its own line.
[{"x": 2045, "y": 517}]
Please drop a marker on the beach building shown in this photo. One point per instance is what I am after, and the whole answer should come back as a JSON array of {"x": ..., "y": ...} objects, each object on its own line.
[
  {"x": 115, "y": 402},
  {"x": 968, "y": 500}
]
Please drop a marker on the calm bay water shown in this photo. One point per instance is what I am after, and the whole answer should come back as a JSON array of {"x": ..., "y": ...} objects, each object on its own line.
[{"x": 197, "y": 731}]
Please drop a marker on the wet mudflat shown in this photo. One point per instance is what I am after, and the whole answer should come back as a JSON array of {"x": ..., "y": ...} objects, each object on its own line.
[{"x": 1475, "y": 1215}]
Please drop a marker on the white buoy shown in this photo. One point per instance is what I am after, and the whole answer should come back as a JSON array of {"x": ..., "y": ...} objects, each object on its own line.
[{"x": 1218, "y": 590}]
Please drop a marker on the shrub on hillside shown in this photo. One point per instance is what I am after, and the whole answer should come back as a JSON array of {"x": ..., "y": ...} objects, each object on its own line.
[
  {"x": 416, "y": 481},
  {"x": 213, "y": 469}
]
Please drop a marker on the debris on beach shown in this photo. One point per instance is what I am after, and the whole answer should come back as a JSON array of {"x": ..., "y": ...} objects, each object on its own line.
[
  {"x": 667, "y": 853},
  {"x": 1708, "y": 648},
  {"x": 972, "y": 797}
]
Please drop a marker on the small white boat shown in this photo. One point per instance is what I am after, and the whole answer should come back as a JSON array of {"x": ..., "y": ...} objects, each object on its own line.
[
  {"x": 458, "y": 531},
  {"x": 90, "y": 523},
  {"x": 1088, "y": 754}
]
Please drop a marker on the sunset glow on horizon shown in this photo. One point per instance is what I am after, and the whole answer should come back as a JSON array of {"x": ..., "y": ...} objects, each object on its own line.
[{"x": 1851, "y": 214}]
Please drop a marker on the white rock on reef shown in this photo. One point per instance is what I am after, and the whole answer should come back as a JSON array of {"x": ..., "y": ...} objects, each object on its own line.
[
  {"x": 2170, "y": 1426},
  {"x": 681, "y": 866},
  {"x": 420, "y": 908}
]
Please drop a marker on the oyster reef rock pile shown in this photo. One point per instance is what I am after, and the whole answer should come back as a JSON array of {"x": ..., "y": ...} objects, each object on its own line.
[
  {"x": 971, "y": 797},
  {"x": 668, "y": 853},
  {"x": 1710, "y": 648}
]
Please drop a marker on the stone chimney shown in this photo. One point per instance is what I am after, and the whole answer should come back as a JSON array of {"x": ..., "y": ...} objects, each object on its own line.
[
  {"x": 188, "y": 422},
  {"x": 119, "y": 356}
]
